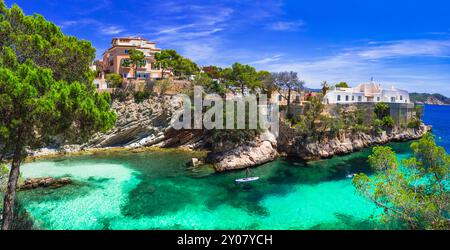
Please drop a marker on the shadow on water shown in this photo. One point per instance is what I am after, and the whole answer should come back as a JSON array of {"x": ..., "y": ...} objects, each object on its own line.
[
  {"x": 348, "y": 222},
  {"x": 166, "y": 186}
]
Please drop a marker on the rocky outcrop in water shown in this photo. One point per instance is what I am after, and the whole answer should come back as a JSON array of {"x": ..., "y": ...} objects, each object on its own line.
[
  {"x": 344, "y": 144},
  {"x": 48, "y": 182},
  {"x": 230, "y": 156}
]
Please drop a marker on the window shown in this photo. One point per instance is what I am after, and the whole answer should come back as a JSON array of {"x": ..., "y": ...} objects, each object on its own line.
[
  {"x": 359, "y": 98},
  {"x": 353, "y": 98},
  {"x": 392, "y": 99},
  {"x": 126, "y": 51},
  {"x": 339, "y": 98},
  {"x": 401, "y": 98},
  {"x": 346, "y": 98},
  {"x": 378, "y": 99}
]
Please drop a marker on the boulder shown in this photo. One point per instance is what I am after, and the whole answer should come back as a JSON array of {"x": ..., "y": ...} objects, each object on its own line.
[{"x": 262, "y": 150}]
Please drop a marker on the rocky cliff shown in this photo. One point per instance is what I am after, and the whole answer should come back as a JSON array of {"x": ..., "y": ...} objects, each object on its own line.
[
  {"x": 343, "y": 144},
  {"x": 147, "y": 124}
]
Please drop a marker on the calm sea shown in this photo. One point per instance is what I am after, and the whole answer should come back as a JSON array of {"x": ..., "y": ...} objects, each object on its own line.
[{"x": 439, "y": 118}]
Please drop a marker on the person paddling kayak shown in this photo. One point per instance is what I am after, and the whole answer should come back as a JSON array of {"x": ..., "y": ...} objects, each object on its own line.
[{"x": 247, "y": 178}]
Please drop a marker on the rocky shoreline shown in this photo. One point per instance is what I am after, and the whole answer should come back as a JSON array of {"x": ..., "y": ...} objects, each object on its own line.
[
  {"x": 344, "y": 144},
  {"x": 148, "y": 126}
]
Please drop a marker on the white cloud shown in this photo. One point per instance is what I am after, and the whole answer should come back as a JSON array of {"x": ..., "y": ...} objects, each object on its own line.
[
  {"x": 406, "y": 48},
  {"x": 387, "y": 62},
  {"x": 111, "y": 30},
  {"x": 286, "y": 26},
  {"x": 270, "y": 59},
  {"x": 100, "y": 27}
]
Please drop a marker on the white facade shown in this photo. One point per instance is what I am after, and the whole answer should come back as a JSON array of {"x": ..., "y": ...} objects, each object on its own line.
[{"x": 366, "y": 92}]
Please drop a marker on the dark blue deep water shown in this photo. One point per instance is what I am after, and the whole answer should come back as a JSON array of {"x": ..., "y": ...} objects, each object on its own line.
[{"x": 439, "y": 118}]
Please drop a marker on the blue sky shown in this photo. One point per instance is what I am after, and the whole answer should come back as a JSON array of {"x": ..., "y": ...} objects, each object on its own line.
[{"x": 401, "y": 43}]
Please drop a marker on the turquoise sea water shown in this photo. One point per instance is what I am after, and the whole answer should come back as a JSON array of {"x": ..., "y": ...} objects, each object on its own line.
[{"x": 157, "y": 191}]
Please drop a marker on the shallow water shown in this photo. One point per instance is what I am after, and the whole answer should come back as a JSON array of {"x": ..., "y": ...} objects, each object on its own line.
[{"x": 157, "y": 191}]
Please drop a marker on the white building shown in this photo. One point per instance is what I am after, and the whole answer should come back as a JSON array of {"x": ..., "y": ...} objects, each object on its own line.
[{"x": 366, "y": 92}]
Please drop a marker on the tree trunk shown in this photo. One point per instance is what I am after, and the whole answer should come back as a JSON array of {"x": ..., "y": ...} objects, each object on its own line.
[
  {"x": 242, "y": 89},
  {"x": 10, "y": 196}
]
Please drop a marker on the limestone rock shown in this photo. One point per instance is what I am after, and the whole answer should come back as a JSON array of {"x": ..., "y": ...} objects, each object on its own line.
[
  {"x": 255, "y": 153},
  {"x": 32, "y": 183}
]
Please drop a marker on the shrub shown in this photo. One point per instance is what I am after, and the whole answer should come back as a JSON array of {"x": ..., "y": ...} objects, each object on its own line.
[
  {"x": 114, "y": 80},
  {"x": 381, "y": 110},
  {"x": 120, "y": 95},
  {"x": 141, "y": 96},
  {"x": 414, "y": 123},
  {"x": 387, "y": 122}
]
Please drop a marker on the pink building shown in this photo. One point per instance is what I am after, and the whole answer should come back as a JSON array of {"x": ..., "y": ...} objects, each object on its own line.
[{"x": 114, "y": 59}]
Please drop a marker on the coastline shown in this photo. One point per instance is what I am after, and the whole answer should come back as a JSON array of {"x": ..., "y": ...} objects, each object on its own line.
[{"x": 260, "y": 152}]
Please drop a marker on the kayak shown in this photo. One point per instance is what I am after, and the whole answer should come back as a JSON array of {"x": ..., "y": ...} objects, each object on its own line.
[{"x": 250, "y": 179}]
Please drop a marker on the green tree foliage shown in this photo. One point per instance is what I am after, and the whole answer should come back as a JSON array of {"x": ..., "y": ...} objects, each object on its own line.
[
  {"x": 212, "y": 71},
  {"x": 180, "y": 66},
  {"x": 141, "y": 96},
  {"x": 387, "y": 122},
  {"x": 383, "y": 119},
  {"x": 241, "y": 76},
  {"x": 342, "y": 85},
  {"x": 37, "y": 103},
  {"x": 114, "y": 80},
  {"x": 381, "y": 110},
  {"x": 310, "y": 124},
  {"x": 418, "y": 110},
  {"x": 209, "y": 85},
  {"x": 186, "y": 68},
  {"x": 267, "y": 82},
  {"x": 416, "y": 193},
  {"x": 416, "y": 121},
  {"x": 33, "y": 37},
  {"x": 136, "y": 60}
]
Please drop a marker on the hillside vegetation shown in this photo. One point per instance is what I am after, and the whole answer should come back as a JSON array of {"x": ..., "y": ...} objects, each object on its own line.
[{"x": 429, "y": 98}]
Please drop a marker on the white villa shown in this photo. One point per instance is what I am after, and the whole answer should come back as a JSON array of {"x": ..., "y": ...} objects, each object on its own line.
[{"x": 366, "y": 92}]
